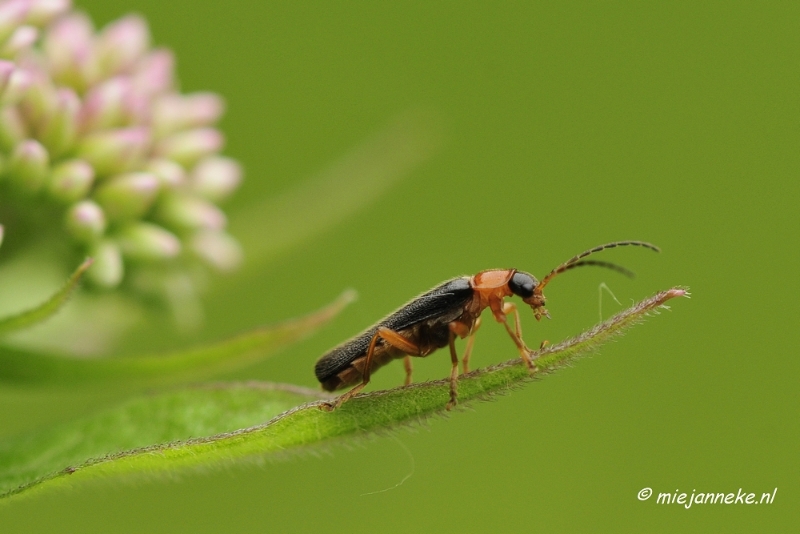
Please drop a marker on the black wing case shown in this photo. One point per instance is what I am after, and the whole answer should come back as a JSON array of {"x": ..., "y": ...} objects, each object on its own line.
[{"x": 439, "y": 301}]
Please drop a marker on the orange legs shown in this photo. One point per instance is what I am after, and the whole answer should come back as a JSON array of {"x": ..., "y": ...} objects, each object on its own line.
[
  {"x": 453, "y": 372},
  {"x": 461, "y": 330},
  {"x": 516, "y": 334},
  {"x": 392, "y": 338},
  {"x": 457, "y": 329},
  {"x": 470, "y": 344},
  {"x": 409, "y": 369}
]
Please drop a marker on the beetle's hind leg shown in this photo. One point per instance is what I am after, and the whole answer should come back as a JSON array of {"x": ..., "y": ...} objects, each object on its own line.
[
  {"x": 408, "y": 367},
  {"x": 392, "y": 338},
  {"x": 453, "y": 373},
  {"x": 470, "y": 344}
]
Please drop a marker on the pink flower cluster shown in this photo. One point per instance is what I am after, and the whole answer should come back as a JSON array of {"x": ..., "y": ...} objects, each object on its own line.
[{"x": 92, "y": 126}]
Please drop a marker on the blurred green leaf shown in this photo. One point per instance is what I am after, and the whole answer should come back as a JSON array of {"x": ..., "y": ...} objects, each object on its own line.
[
  {"x": 196, "y": 427},
  {"x": 24, "y": 367},
  {"x": 48, "y": 308},
  {"x": 354, "y": 181}
]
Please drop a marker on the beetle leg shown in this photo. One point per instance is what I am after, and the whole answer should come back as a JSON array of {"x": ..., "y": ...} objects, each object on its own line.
[
  {"x": 341, "y": 399},
  {"x": 453, "y": 371},
  {"x": 470, "y": 343},
  {"x": 407, "y": 365},
  {"x": 516, "y": 334},
  {"x": 396, "y": 340},
  {"x": 510, "y": 307},
  {"x": 392, "y": 338}
]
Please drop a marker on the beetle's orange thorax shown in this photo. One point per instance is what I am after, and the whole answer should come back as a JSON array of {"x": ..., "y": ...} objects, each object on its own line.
[{"x": 490, "y": 289}]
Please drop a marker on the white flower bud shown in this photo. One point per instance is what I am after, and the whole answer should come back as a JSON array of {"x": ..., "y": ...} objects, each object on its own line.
[
  {"x": 127, "y": 196},
  {"x": 21, "y": 40},
  {"x": 18, "y": 84},
  {"x": 215, "y": 178},
  {"x": 171, "y": 175},
  {"x": 13, "y": 129},
  {"x": 147, "y": 242},
  {"x": 173, "y": 112},
  {"x": 104, "y": 105},
  {"x": 107, "y": 269},
  {"x": 71, "y": 180},
  {"x": 28, "y": 166},
  {"x": 69, "y": 48},
  {"x": 40, "y": 100},
  {"x": 115, "y": 151},
  {"x": 190, "y": 146},
  {"x": 121, "y": 44},
  {"x": 43, "y": 11},
  {"x": 183, "y": 212},
  {"x": 86, "y": 221},
  {"x": 12, "y": 15},
  {"x": 60, "y": 128},
  {"x": 218, "y": 249},
  {"x": 153, "y": 75}
]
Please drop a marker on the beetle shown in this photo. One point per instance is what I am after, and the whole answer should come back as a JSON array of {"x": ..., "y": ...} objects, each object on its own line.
[{"x": 434, "y": 319}]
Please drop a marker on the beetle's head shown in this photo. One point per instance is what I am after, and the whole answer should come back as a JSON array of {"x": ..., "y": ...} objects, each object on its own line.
[{"x": 525, "y": 285}]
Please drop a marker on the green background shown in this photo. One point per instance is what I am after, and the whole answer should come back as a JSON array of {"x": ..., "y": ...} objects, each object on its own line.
[{"x": 565, "y": 125}]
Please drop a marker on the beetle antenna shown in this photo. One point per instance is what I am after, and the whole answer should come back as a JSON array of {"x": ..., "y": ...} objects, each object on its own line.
[
  {"x": 608, "y": 265},
  {"x": 576, "y": 261}
]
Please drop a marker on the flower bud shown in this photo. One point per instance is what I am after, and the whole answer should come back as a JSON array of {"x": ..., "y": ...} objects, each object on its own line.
[
  {"x": 43, "y": 11},
  {"x": 12, "y": 128},
  {"x": 147, "y": 242},
  {"x": 218, "y": 249},
  {"x": 86, "y": 221},
  {"x": 18, "y": 84},
  {"x": 121, "y": 44},
  {"x": 170, "y": 174},
  {"x": 175, "y": 112},
  {"x": 103, "y": 105},
  {"x": 153, "y": 75},
  {"x": 28, "y": 166},
  {"x": 59, "y": 130},
  {"x": 115, "y": 151},
  {"x": 189, "y": 146},
  {"x": 12, "y": 15},
  {"x": 215, "y": 178},
  {"x": 7, "y": 68},
  {"x": 183, "y": 212},
  {"x": 22, "y": 39},
  {"x": 113, "y": 103},
  {"x": 39, "y": 101},
  {"x": 71, "y": 180},
  {"x": 107, "y": 269},
  {"x": 127, "y": 196},
  {"x": 69, "y": 48},
  {"x": 2, "y": 233}
]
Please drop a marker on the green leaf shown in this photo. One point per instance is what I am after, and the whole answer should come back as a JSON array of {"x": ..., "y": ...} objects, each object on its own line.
[
  {"x": 48, "y": 308},
  {"x": 193, "y": 428},
  {"x": 19, "y": 366},
  {"x": 177, "y": 415}
]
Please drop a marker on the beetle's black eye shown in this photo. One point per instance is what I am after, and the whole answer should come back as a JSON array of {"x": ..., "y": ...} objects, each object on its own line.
[{"x": 522, "y": 284}]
